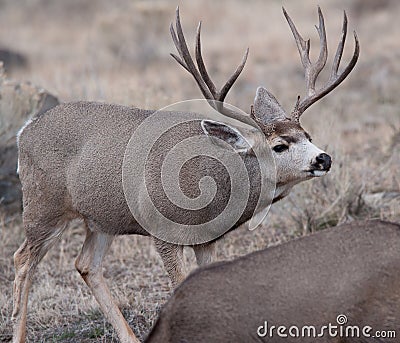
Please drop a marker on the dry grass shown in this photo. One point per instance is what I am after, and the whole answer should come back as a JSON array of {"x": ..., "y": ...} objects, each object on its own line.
[{"x": 118, "y": 52}]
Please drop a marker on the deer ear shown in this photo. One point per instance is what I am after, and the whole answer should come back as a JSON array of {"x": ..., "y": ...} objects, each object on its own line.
[
  {"x": 223, "y": 132},
  {"x": 266, "y": 108}
]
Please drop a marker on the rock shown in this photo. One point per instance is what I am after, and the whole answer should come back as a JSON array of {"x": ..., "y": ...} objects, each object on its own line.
[
  {"x": 18, "y": 103},
  {"x": 12, "y": 60}
]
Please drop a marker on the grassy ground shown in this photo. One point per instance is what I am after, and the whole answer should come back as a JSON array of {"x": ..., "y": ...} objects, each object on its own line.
[{"x": 119, "y": 52}]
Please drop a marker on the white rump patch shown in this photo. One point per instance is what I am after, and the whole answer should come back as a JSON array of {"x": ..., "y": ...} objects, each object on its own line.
[{"x": 29, "y": 121}]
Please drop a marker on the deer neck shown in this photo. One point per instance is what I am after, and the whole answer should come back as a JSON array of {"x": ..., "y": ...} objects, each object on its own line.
[{"x": 282, "y": 190}]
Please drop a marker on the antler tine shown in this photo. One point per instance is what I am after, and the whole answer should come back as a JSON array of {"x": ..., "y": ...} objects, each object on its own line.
[
  {"x": 313, "y": 70},
  {"x": 176, "y": 43},
  {"x": 202, "y": 66},
  {"x": 225, "y": 89},
  {"x": 302, "y": 46},
  {"x": 323, "y": 52},
  {"x": 339, "y": 50},
  {"x": 186, "y": 60}
]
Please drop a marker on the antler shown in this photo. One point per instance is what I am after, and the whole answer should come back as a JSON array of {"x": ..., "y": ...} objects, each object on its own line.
[
  {"x": 215, "y": 98},
  {"x": 312, "y": 70}
]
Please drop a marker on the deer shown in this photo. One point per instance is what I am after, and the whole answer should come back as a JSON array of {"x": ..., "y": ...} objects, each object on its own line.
[
  {"x": 344, "y": 276},
  {"x": 70, "y": 165}
]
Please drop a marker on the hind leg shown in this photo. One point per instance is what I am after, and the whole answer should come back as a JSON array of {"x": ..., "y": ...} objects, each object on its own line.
[
  {"x": 90, "y": 264},
  {"x": 20, "y": 291},
  {"x": 26, "y": 259}
]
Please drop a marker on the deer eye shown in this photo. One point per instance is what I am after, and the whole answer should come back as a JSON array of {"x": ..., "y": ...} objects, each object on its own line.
[{"x": 280, "y": 148}]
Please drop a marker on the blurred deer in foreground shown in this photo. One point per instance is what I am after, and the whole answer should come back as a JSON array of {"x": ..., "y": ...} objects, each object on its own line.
[
  {"x": 70, "y": 167},
  {"x": 346, "y": 275}
]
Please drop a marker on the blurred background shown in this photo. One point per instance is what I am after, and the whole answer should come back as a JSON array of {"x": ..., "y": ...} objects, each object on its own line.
[{"x": 118, "y": 51}]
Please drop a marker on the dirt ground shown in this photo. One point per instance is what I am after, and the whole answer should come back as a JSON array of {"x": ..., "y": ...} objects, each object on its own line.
[{"x": 118, "y": 51}]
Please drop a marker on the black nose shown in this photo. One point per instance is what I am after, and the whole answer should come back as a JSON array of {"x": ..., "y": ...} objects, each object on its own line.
[{"x": 324, "y": 160}]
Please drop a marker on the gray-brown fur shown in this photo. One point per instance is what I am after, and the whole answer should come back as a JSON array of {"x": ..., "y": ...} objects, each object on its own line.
[
  {"x": 80, "y": 171},
  {"x": 352, "y": 269}
]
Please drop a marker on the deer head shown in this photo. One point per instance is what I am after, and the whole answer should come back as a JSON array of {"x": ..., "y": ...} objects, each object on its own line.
[{"x": 296, "y": 157}]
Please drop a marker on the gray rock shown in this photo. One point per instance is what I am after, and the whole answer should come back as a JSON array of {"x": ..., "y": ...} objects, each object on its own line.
[{"x": 18, "y": 103}]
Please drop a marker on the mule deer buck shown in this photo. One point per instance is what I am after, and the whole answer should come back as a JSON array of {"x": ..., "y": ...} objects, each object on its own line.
[
  {"x": 70, "y": 162},
  {"x": 346, "y": 274}
]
